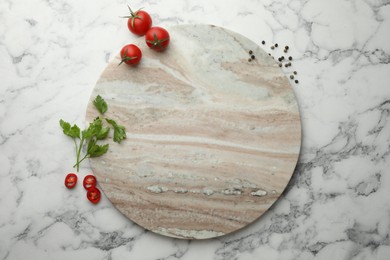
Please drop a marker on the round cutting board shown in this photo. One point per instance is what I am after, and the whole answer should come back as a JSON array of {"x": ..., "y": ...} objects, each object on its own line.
[{"x": 212, "y": 138}]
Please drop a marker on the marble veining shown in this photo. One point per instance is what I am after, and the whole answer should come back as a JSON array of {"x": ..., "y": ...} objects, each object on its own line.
[
  {"x": 213, "y": 138},
  {"x": 336, "y": 205}
]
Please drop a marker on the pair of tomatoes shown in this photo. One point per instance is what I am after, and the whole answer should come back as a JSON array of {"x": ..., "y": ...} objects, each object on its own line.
[
  {"x": 156, "y": 38},
  {"x": 89, "y": 183}
]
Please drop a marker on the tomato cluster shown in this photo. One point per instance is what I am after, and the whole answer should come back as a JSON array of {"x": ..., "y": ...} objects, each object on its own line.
[
  {"x": 156, "y": 38},
  {"x": 89, "y": 183}
]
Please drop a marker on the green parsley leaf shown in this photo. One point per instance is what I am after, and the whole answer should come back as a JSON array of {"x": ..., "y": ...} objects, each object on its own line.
[
  {"x": 65, "y": 125},
  {"x": 103, "y": 133},
  {"x": 95, "y": 150},
  {"x": 100, "y": 104},
  {"x": 72, "y": 131},
  {"x": 119, "y": 131},
  {"x": 93, "y": 129}
]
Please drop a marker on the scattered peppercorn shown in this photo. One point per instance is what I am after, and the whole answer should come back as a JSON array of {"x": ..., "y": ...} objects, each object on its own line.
[
  {"x": 286, "y": 65},
  {"x": 269, "y": 54},
  {"x": 250, "y": 52},
  {"x": 296, "y": 81},
  {"x": 263, "y": 42},
  {"x": 282, "y": 57},
  {"x": 253, "y": 57},
  {"x": 291, "y": 76},
  {"x": 280, "y": 65},
  {"x": 290, "y": 58},
  {"x": 249, "y": 59},
  {"x": 286, "y": 47},
  {"x": 285, "y": 50},
  {"x": 295, "y": 73},
  {"x": 276, "y": 45},
  {"x": 272, "y": 47}
]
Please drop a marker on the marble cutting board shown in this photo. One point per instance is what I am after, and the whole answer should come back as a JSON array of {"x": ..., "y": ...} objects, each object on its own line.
[{"x": 212, "y": 139}]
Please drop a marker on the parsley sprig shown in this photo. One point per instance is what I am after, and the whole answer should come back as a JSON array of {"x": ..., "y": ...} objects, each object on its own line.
[{"x": 90, "y": 136}]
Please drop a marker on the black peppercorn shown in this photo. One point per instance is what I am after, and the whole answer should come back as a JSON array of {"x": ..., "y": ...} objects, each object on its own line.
[
  {"x": 285, "y": 50},
  {"x": 272, "y": 47},
  {"x": 286, "y": 65},
  {"x": 250, "y": 52},
  {"x": 280, "y": 65},
  {"x": 295, "y": 73},
  {"x": 282, "y": 57},
  {"x": 253, "y": 57},
  {"x": 269, "y": 54},
  {"x": 263, "y": 42},
  {"x": 290, "y": 58},
  {"x": 249, "y": 59},
  {"x": 286, "y": 47},
  {"x": 276, "y": 45},
  {"x": 291, "y": 76},
  {"x": 296, "y": 81}
]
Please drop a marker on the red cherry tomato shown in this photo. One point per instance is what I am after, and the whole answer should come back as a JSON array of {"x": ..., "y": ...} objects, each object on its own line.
[
  {"x": 139, "y": 22},
  {"x": 70, "y": 180},
  {"x": 130, "y": 54},
  {"x": 89, "y": 182},
  {"x": 93, "y": 195},
  {"x": 157, "y": 38}
]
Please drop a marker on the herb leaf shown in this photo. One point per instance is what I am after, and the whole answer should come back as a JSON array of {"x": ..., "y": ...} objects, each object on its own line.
[
  {"x": 100, "y": 104},
  {"x": 103, "y": 133},
  {"x": 93, "y": 129},
  {"x": 119, "y": 131},
  {"x": 72, "y": 131},
  {"x": 95, "y": 150}
]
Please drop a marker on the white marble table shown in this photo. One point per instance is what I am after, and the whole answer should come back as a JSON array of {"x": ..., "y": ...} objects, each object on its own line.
[{"x": 337, "y": 204}]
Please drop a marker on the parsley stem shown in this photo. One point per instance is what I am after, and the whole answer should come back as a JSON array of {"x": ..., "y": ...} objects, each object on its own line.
[
  {"x": 78, "y": 155},
  {"x": 78, "y": 163},
  {"x": 75, "y": 144}
]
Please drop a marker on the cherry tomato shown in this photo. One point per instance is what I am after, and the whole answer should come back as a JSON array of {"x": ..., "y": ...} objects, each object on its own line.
[
  {"x": 93, "y": 195},
  {"x": 139, "y": 22},
  {"x": 89, "y": 182},
  {"x": 130, "y": 54},
  {"x": 70, "y": 180},
  {"x": 157, "y": 38}
]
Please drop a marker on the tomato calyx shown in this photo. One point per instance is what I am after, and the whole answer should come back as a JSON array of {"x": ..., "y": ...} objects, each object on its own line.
[
  {"x": 157, "y": 42},
  {"x": 127, "y": 58},
  {"x": 133, "y": 15}
]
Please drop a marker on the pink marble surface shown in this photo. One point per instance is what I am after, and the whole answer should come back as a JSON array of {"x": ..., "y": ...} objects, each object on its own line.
[{"x": 213, "y": 139}]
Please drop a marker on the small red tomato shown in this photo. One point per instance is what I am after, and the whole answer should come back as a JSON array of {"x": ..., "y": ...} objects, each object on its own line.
[
  {"x": 93, "y": 195},
  {"x": 70, "y": 180},
  {"x": 89, "y": 182},
  {"x": 130, "y": 54},
  {"x": 157, "y": 38},
  {"x": 139, "y": 22}
]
